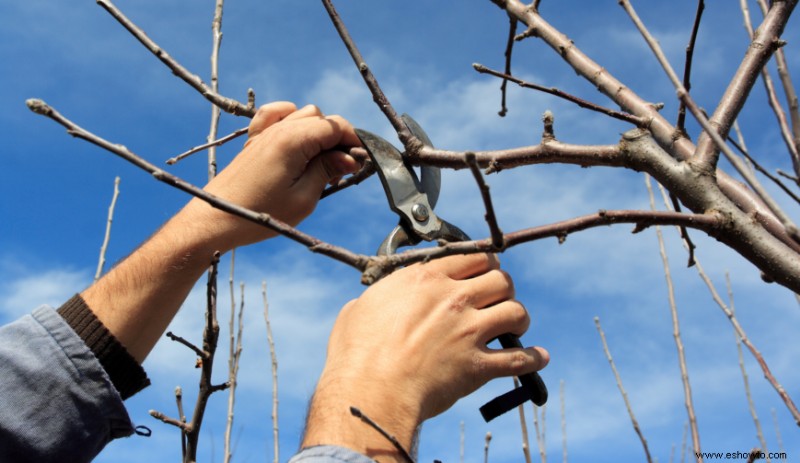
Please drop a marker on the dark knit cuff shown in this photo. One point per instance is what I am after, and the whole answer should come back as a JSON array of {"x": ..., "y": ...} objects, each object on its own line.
[{"x": 125, "y": 372}]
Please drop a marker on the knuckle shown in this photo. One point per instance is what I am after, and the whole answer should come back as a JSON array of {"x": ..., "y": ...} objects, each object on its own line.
[
  {"x": 519, "y": 362},
  {"x": 459, "y": 299},
  {"x": 520, "y": 317}
]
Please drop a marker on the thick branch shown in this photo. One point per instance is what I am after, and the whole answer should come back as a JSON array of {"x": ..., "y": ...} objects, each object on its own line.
[
  {"x": 765, "y": 43},
  {"x": 790, "y": 138},
  {"x": 699, "y": 192},
  {"x": 667, "y": 136}
]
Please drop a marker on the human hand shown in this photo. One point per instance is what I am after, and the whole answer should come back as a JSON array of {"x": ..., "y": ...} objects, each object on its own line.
[
  {"x": 288, "y": 159},
  {"x": 413, "y": 344}
]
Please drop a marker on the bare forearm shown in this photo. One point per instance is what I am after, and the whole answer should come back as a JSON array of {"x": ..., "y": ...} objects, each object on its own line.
[
  {"x": 330, "y": 421},
  {"x": 139, "y": 297}
]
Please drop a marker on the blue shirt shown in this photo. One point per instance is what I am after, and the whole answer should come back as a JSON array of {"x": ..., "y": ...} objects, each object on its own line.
[{"x": 57, "y": 403}]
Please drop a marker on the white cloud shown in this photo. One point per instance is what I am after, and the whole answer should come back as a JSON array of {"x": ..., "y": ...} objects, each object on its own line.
[{"x": 26, "y": 288}]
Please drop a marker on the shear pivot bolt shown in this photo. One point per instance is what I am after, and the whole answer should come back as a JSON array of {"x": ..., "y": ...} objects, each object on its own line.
[{"x": 420, "y": 212}]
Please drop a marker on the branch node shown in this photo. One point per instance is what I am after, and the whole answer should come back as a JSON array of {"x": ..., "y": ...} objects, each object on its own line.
[
  {"x": 529, "y": 32},
  {"x": 251, "y": 99},
  {"x": 548, "y": 119}
]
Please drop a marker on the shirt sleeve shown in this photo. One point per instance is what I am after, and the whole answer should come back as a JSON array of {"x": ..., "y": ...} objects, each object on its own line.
[
  {"x": 57, "y": 402},
  {"x": 329, "y": 454}
]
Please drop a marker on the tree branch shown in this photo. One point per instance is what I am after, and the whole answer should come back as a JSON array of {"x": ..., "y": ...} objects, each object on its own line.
[
  {"x": 767, "y": 40},
  {"x": 740, "y": 354},
  {"x": 274, "y": 362},
  {"x": 665, "y": 134},
  {"x": 687, "y": 70},
  {"x": 180, "y": 340},
  {"x": 635, "y": 120},
  {"x": 512, "y": 32},
  {"x": 360, "y": 415},
  {"x": 315, "y": 245},
  {"x": 102, "y": 260},
  {"x": 622, "y": 390},
  {"x": 411, "y": 143},
  {"x": 380, "y": 266},
  {"x": 676, "y": 333},
  {"x": 491, "y": 219},
  {"x": 226, "y": 104},
  {"x": 218, "y": 142}
]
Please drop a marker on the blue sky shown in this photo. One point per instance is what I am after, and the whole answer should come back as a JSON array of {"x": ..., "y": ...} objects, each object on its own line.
[{"x": 56, "y": 192}]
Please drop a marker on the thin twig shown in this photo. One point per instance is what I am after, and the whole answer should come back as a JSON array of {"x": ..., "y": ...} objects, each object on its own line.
[
  {"x": 676, "y": 333},
  {"x": 174, "y": 337},
  {"x": 218, "y": 142},
  {"x": 542, "y": 456},
  {"x": 765, "y": 172},
  {"x": 526, "y": 447},
  {"x": 543, "y": 440},
  {"x": 750, "y": 404},
  {"x": 487, "y": 439},
  {"x": 622, "y": 391},
  {"x": 167, "y": 420},
  {"x": 777, "y": 431},
  {"x": 635, "y": 120},
  {"x": 274, "y": 358},
  {"x": 234, "y": 354},
  {"x": 687, "y": 71},
  {"x": 216, "y": 30},
  {"x": 411, "y": 143},
  {"x": 491, "y": 219},
  {"x": 512, "y": 32},
  {"x": 227, "y": 104},
  {"x": 181, "y": 417},
  {"x": 358, "y": 414},
  {"x": 102, "y": 260}
]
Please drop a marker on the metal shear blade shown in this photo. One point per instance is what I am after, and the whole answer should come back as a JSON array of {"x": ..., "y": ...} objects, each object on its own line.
[{"x": 412, "y": 198}]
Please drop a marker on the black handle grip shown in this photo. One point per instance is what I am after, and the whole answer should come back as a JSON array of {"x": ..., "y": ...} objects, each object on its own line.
[
  {"x": 531, "y": 381},
  {"x": 533, "y": 388}
]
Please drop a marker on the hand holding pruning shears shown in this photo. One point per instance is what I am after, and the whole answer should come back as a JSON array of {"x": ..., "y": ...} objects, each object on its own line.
[{"x": 413, "y": 199}]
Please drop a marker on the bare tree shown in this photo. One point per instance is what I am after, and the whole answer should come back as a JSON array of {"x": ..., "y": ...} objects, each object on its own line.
[{"x": 741, "y": 214}]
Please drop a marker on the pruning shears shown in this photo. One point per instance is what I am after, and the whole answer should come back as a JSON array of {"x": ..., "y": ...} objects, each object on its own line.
[{"x": 413, "y": 198}]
